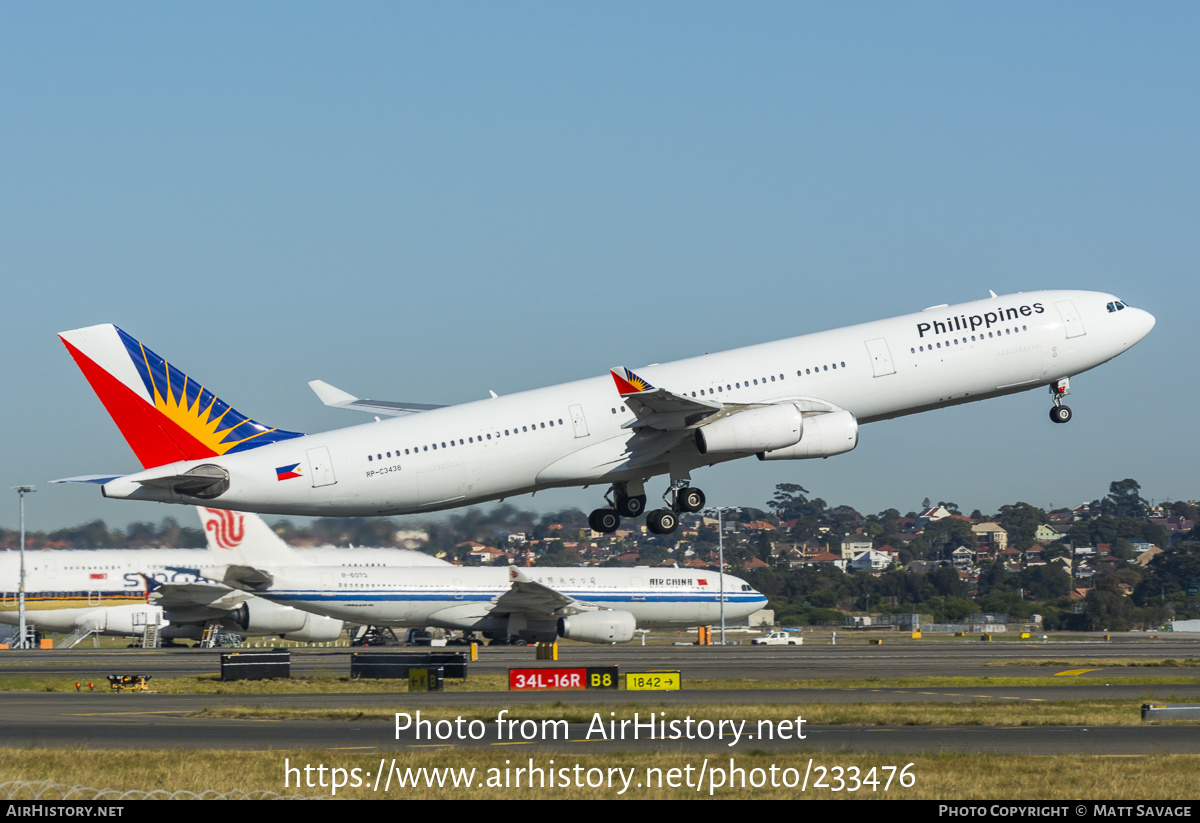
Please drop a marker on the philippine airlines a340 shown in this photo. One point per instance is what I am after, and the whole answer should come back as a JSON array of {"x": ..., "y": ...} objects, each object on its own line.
[{"x": 804, "y": 397}]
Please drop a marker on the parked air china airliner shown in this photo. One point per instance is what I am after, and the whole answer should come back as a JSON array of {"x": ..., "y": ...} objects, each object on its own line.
[
  {"x": 593, "y": 605},
  {"x": 793, "y": 399},
  {"x": 119, "y": 591}
]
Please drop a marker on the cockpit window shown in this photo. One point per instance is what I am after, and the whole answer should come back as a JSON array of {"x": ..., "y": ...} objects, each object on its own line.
[{"x": 1117, "y": 305}]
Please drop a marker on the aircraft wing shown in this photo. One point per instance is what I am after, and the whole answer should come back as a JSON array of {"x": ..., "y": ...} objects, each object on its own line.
[
  {"x": 246, "y": 578},
  {"x": 189, "y": 595},
  {"x": 338, "y": 399},
  {"x": 527, "y": 596},
  {"x": 660, "y": 409},
  {"x": 657, "y": 408}
]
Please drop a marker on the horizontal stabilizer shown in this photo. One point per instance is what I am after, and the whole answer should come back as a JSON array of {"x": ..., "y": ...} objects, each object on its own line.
[
  {"x": 88, "y": 478},
  {"x": 205, "y": 482},
  {"x": 338, "y": 399}
]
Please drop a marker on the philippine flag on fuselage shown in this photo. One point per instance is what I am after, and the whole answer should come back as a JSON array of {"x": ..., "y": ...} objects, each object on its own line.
[{"x": 288, "y": 472}]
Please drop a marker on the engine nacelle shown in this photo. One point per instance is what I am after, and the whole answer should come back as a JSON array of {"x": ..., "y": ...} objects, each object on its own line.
[
  {"x": 604, "y": 626},
  {"x": 318, "y": 629},
  {"x": 757, "y": 430},
  {"x": 824, "y": 436},
  {"x": 264, "y": 617}
]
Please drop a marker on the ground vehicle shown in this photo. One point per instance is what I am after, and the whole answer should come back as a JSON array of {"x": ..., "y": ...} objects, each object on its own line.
[{"x": 778, "y": 639}]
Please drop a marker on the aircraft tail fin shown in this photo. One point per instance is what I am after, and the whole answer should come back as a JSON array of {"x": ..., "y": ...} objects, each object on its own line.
[
  {"x": 164, "y": 415},
  {"x": 244, "y": 539}
]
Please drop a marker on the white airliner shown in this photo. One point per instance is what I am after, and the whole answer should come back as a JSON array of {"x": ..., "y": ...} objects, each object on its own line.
[
  {"x": 119, "y": 591},
  {"x": 595, "y": 605},
  {"x": 793, "y": 399}
]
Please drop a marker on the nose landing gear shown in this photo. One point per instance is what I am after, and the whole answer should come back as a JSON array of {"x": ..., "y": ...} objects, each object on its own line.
[{"x": 1058, "y": 390}]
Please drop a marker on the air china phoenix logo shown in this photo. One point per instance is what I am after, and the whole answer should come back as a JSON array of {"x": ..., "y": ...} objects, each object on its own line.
[
  {"x": 227, "y": 527},
  {"x": 288, "y": 472}
]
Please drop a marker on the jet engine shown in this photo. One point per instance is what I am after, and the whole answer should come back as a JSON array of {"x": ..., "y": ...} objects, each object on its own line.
[
  {"x": 824, "y": 436},
  {"x": 605, "y": 626},
  {"x": 264, "y": 617},
  {"x": 128, "y": 621},
  {"x": 757, "y": 430}
]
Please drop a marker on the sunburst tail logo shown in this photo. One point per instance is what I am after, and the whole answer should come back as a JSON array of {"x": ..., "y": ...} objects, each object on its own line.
[
  {"x": 628, "y": 382},
  {"x": 164, "y": 415}
]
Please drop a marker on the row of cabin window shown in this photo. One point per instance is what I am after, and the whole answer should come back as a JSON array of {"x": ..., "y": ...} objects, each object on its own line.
[
  {"x": 728, "y": 387},
  {"x": 817, "y": 369},
  {"x": 462, "y": 442},
  {"x": 94, "y": 594},
  {"x": 957, "y": 341},
  {"x": 748, "y": 383},
  {"x": 722, "y": 389},
  {"x": 755, "y": 382}
]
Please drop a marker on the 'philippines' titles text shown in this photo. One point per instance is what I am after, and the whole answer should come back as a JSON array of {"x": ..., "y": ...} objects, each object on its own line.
[{"x": 964, "y": 322}]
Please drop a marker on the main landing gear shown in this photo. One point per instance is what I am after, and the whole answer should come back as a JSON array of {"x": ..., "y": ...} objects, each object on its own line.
[
  {"x": 1058, "y": 390},
  {"x": 680, "y": 498},
  {"x": 607, "y": 521}
]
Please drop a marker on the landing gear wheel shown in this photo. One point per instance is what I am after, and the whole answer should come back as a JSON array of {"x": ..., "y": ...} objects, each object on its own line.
[
  {"x": 689, "y": 499},
  {"x": 631, "y": 506},
  {"x": 605, "y": 521},
  {"x": 1060, "y": 414},
  {"x": 662, "y": 521}
]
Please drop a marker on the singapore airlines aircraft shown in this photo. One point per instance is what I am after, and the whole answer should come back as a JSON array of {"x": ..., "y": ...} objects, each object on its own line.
[
  {"x": 594, "y": 605},
  {"x": 119, "y": 591},
  {"x": 793, "y": 399}
]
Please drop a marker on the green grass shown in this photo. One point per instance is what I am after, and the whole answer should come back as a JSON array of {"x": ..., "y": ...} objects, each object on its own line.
[
  {"x": 928, "y": 776},
  {"x": 999, "y": 712}
]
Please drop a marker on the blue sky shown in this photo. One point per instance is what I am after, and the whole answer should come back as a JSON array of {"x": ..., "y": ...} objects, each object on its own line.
[{"x": 428, "y": 201}]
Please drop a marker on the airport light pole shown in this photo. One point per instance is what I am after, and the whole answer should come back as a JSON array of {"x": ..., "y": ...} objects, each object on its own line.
[
  {"x": 21, "y": 492},
  {"x": 720, "y": 510}
]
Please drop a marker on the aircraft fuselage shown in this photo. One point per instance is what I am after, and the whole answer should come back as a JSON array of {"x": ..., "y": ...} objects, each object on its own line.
[{"x": 582, "y": 433}]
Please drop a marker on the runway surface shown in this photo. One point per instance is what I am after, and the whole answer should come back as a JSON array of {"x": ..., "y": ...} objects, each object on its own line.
[{"x": 150, "y": 721}]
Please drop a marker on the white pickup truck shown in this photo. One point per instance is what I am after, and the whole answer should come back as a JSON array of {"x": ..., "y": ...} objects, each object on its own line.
[{"x": 778, "y": 639}]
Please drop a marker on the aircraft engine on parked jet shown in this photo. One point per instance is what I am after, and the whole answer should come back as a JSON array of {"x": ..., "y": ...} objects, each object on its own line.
[
  {"x": 757, "y": 430},
  {"x": 824, "y": 436},
  {"x": 264, "y": 617},
  {"x": 604, "y": 626}
]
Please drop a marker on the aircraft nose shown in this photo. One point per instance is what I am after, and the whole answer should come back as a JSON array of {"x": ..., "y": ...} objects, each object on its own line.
[{"x": 1143, "y": 323}]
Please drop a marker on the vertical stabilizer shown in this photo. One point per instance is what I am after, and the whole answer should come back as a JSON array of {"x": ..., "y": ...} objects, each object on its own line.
[
  {"x": 238, "y": 538},
  {"x": 164, "y": 415}
]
